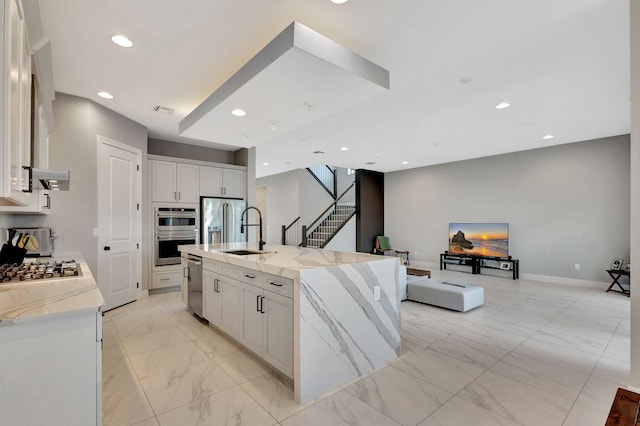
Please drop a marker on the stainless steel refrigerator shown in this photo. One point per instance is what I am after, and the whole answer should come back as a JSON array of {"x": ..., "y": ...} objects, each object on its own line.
[{"x": 220, "y": 220}]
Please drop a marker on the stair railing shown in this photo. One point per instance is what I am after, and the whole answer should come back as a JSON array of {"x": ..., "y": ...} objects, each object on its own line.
[
  {"x": 326, "y": 177},
  {"x": 347, "y": 198},
  {"x": 290, "y": 233}
]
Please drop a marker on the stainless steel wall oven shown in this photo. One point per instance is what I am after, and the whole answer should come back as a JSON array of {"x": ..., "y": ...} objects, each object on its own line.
[{"x": 174, "y": 226}]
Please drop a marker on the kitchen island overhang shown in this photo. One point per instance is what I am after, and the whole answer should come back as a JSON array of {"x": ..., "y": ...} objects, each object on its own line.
[{"x": 346, "y": 309}]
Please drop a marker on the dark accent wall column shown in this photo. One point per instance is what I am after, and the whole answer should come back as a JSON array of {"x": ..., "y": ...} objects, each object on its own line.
[{"x": 369, "y": 209}]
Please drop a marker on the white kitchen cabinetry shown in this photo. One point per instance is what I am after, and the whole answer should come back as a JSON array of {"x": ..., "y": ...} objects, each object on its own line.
[
  {"x": 15, "y": 75},
  {"x": 51, "y": 371},
  {"x": 38, "y": 201},
  {"x": 251, "y": 325},
  {"x": 174, "y": 182},
  {"x": 277, "y": 331},
  {"x": 221, "y": 302},
  {"x": 221, "y": 182},
  {"x": 166, "y": 279},
  {"x": 240, "y": 302}
]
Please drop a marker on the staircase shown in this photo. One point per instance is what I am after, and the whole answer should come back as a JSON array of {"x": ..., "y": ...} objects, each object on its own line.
[
  {"x": 322, "y": 234},
  {"x": 330, "y": 221}
]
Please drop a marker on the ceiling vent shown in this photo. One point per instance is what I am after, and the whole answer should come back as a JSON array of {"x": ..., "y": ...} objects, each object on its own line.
[{"x": 163, "y": 109}]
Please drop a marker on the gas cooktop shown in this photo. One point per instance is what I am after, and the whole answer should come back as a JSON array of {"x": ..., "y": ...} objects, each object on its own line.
[{"x": 39, "y": 271}]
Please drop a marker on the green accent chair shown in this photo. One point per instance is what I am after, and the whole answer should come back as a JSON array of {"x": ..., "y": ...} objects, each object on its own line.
[{"x": 383, "y": 246}]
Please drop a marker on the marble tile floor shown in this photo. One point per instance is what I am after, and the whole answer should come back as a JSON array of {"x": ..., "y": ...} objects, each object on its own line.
[{"x": 535, "y": 354}]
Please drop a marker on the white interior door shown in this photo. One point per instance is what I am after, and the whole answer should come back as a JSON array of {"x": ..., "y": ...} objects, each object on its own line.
[{"x": 119, "y": 227}]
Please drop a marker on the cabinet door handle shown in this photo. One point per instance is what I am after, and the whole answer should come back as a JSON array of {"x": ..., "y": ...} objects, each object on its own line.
[
  {"x": 222, "y": 190},
  {"x": 164, "y": 279},
  {"x": 275, "y": 283},
  {"x": 217, "y": 284},
  {"x": 48, "y": 205},
  {"x": 258, "y": 303},
  {"x": 262, "y": 304},
  {"x": 178, "y": 195},
  {"x": 249, "y": 276},
  {"x": 185, "y": 272}
]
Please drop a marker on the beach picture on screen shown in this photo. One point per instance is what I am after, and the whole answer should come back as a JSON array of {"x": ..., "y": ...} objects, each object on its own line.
[{"x": 479, "y": 239}]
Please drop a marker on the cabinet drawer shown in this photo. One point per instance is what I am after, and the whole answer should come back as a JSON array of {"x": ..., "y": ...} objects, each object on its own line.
[
  {"x": 231, "y": 271},
  {"x": 279, "y": 285},
  {"x": 211, "y": 265},
  {"x": 251, "y": 276},
  {"x": 166, "y": 279}
]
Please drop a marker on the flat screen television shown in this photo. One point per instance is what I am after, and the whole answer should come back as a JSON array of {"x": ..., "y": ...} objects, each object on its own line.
[{"x": 479, "y": 239}]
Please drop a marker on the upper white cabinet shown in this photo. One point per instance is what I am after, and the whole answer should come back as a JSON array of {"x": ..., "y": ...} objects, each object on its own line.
[
  {"x": 37, "y": 201},
  {"x": 221, "y": 182},
  {"x": 15, "y": 74},
  {"x": 174, "y": 182}
]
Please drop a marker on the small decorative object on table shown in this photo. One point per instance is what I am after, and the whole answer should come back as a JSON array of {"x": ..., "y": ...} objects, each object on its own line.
[{"x": 617, "y": 264}]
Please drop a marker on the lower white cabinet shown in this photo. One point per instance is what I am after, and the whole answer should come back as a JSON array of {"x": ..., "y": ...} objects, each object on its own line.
[
  {"x": 257, "y": 318},
  {"x": 166, "y": 278},
  {"x": 51, "y": 371},
  {"x": 251, "y": 327},
  {"x": 221, "y": 302},
  {"x": 277, "y": 331}
]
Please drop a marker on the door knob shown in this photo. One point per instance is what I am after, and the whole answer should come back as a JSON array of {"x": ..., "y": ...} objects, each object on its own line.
[{"x": 106, "y": 248}]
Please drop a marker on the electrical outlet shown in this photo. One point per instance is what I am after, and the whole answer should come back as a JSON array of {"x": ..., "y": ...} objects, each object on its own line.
[
  {"x": 376, "y": 292},
  {"x": 577, "y": 266},
  {"x": 415, "y": 252}
]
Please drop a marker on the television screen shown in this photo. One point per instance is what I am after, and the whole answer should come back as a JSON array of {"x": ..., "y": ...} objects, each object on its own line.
[{"x": 479, "y": 239}]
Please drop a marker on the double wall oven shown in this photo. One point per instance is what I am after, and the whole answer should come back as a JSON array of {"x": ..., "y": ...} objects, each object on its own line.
[{"x": 173, "y": 227}]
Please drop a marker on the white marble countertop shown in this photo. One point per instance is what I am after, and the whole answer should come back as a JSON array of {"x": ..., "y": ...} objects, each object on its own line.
[
  {"x": 286, "y": 261},
  {"x": 40, "y": 300}
]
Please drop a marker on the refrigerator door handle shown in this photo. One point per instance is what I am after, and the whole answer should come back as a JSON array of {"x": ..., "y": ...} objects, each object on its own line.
[{"x": 225, "y": 218}]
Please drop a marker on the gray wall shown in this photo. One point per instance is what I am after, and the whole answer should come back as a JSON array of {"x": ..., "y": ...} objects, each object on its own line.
[
  {"x": 281, "y": 203},
  {"x": 73, "y": 146},
  {"x": 565, "y": 205},
  {"x": 191, "y": 152}
]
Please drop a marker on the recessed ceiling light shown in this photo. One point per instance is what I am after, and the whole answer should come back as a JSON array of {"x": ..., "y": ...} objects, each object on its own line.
[
  {"x": 105, "y": 95},
  {"x": 339, "y": 1},
  {"x": 122, "y": 41},
  {"x": 503, "y": 105},
  {"x": 344, "y": 148},
  {"x": 405, "y": 162},
  {"x": 239, "y": 112},
  {"x": 547, "y": 137},
  {"x": 265, "y": 164}
]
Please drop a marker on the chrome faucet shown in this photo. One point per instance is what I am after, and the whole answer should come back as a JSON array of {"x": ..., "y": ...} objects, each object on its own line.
[{"x": 242, "y": 224}]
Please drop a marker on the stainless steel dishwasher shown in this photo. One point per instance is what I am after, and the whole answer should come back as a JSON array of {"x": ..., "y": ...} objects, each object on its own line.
[{"x": 194, "y": 284}]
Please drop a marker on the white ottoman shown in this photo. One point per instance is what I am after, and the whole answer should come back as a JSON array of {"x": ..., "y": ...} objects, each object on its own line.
[{"x": 456, "y": 296}]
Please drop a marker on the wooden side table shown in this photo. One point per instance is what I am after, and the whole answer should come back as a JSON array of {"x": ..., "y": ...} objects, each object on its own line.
[{"x": 615, "y": 275}]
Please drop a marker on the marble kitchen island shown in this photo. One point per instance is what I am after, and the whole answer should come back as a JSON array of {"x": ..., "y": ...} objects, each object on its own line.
[{"x": 345, "y": 313}]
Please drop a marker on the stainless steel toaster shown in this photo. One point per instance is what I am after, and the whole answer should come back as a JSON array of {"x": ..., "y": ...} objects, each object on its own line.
[{"x": 44, "y": 236}]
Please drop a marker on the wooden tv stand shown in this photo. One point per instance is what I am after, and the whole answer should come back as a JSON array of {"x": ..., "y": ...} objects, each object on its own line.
[{"x": 479, "y": 262}]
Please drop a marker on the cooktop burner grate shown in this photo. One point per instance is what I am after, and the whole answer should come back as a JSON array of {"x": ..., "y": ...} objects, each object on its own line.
[{"x": 39, "y": 270}]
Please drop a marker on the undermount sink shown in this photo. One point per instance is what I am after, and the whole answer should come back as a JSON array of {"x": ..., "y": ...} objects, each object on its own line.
[{"x": 244, "y": 252}]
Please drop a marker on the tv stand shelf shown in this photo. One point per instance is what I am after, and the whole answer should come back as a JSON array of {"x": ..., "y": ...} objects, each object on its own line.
[{"x": 479, "y": 262}]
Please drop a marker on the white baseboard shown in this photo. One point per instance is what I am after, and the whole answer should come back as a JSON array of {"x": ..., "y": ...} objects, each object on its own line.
[{"x": 565, "y": 281}]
